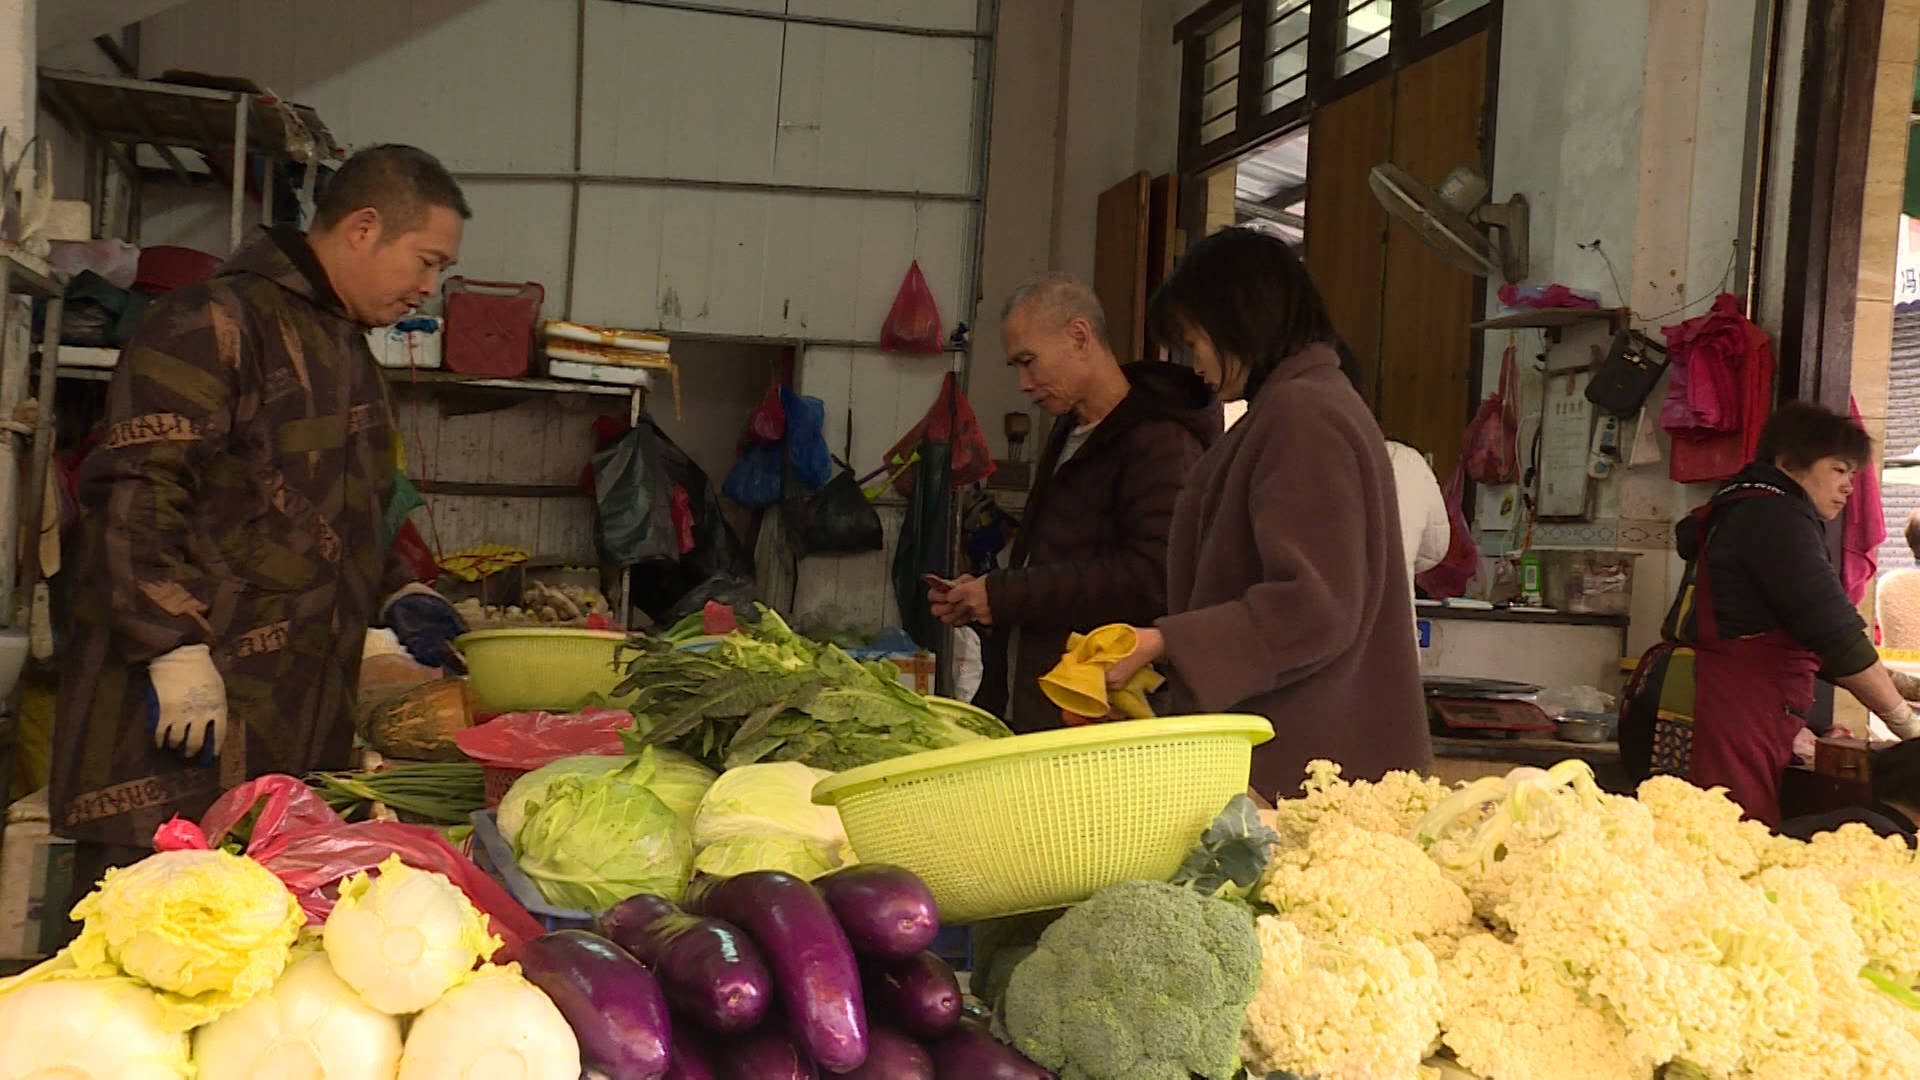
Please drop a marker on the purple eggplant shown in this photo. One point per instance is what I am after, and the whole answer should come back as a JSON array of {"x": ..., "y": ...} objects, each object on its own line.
[
  {"x": 886, "y": 911},
  {"x": 767, "y": 1054},
  {"x": 918, "y": 995},
  {"x": 893, "y": 1056},
  {"x": 624, "y": 922},
  {"x": 970, "y": 1052},
  {"x": 693, "y": 1057},
  {"x": 612, "y": 1003},
  {"x": 812, "y": 963},
  {"x": 708, "y": 969}
]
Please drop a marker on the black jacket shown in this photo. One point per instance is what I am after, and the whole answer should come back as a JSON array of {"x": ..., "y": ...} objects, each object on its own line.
[
  {"x": 1092, "y": 548},
  {"x": 1768, "y": 567}
]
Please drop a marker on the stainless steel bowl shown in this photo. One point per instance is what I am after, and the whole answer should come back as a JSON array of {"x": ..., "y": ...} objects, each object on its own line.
[{"x": 1581, "y": 730}]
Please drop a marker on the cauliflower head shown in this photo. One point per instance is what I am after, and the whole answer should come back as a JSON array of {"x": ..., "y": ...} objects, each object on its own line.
[
  {"x": 1349, "y": 1008},
  {"x": 1392, "y": 804},
  {"x": 1514, "y": 1018},
  {"x": 1144, "y": 981},
  {"x": 1347, "y": 878},
  {"x": 1879, "y": 878},
  {"x": 1704, "y": 827}
]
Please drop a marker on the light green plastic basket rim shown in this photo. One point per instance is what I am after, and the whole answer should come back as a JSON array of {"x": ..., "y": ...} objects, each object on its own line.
[
  {"x": 535, "y": 633},
  {"x": 828, "y": 792}
]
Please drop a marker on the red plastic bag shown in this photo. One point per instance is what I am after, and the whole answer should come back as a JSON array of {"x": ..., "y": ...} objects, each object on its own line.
[
  {"x": 529, "y": 740},
  {"x": 414, "y": 552},
  {"x": 950, "y": 420},
  {"x": 1492, "y": 450},
  {"x": 311, "y": 850},
  {"x": 1456, "y": 571},
  {"x": 768, "y": 424},
  {"x": 913, "y": 324}
]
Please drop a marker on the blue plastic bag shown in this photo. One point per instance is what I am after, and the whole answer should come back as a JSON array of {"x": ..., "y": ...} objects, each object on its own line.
[
  {"x": 807, "y": 439},
  {"x": 755, "y": 479}
]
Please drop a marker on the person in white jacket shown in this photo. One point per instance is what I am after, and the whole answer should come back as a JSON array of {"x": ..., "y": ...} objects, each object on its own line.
[{"x": 1425, "y": 530}]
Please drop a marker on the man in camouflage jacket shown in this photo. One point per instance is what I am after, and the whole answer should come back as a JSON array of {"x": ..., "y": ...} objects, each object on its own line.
[{"x": 231, "y": 555}]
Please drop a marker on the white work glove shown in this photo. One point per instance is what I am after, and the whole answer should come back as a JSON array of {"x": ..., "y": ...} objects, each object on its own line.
[
  {"x": 1902, "y": 722},
  {"x": 189, "y": 702}
]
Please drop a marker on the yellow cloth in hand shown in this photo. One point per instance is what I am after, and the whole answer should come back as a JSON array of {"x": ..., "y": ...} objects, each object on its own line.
[{"x": 1078, "y": 684}]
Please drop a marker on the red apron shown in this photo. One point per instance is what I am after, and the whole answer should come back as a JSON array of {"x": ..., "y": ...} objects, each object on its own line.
[{"x": 1751, "y": 697}]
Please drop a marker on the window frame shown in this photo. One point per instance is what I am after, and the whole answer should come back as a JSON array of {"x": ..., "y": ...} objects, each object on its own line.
[{"x": 1253, "y": 126}]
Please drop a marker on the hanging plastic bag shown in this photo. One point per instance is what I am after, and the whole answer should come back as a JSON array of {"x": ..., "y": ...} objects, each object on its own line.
[
  {"x": 1492, "y": 442},
  {"x": 768, "y": 424},
  {"x": 806, "y": 439},
  {"x": 836, "y": 520},
  {"x": 633, "y": 500},
  {"x": 950, "y": 421},
  {"x": 1456, "y": 571},
  {"x": 755, "y": 479},
  {"x": 913, "y": 324},
  {"x": 311, "y": 850}
]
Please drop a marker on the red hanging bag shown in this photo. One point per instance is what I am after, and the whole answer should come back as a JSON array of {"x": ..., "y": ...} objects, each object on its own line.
[
  {"x": 913, "y": 325},
  {"x": 1491, "y": 448}
]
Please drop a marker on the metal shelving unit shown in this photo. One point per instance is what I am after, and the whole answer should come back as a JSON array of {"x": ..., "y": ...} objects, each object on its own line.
[{"x": 144, "y": 125}]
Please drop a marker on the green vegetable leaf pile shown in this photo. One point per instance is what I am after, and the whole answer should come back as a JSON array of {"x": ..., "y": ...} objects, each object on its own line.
[
  {"x": 765, "y": 693},
  {"x": 1233, "y": 851}
]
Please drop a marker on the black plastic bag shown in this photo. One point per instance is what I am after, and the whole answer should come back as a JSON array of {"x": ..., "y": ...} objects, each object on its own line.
[
  {"x": 719, "y": 566},
  {"x": 836, "y": 520},
  {"x": 924, "y": 537},
  {"x": 634, "y": 498}
]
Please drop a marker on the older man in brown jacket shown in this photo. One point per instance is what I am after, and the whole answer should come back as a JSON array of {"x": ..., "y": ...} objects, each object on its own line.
[{"x": 1092, "y": 548}]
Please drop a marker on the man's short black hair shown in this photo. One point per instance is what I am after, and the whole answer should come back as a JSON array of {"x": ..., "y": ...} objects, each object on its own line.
[
  {"x": 401, "y": 182},
  {"x": 1801, "y": 433},
  {"x": 1252, "y": 297}
]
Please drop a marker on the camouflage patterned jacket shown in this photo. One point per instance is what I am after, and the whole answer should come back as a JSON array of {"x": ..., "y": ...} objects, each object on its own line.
[{"x": 234, "y": 500}]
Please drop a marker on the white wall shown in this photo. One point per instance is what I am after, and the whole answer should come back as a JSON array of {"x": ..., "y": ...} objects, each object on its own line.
[{"x": 1640, "y": 146}]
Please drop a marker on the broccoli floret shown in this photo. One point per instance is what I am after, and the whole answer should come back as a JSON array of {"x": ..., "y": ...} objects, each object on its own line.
[{"x": 1133, "y": 985}]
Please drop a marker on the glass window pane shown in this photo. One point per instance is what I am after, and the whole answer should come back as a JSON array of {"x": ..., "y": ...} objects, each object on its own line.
[
  {"x": 1285, "y": 66},
  {"x": 1216, "y": 128},
  {"x": 1289, "y": 27},
  {"x": 1435, "y": 14},
  {"x": 1285, "y": 94},
  {"x": 1226, "y": 37},
  {"x": 1221, "y": 100},
  {"x": 1221, "y": 68},
  {"x": 1364, "y": 34}
]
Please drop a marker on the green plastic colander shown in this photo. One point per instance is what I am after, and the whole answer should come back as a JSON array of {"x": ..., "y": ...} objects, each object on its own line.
[
  {"x": 1046, "y": 820},
  {"x": 556, "y": 670}
]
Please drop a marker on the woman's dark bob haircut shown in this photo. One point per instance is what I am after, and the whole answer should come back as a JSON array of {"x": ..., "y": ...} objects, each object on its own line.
[
  {"x": 1250, "y": 295},
  {"x": 1801, "y": 433}
]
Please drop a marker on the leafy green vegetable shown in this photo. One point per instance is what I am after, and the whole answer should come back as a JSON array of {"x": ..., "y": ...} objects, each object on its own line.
[
  {"x": 763, "y": 817},
  {"x": 593, "y": 841},
  {"x": 1233, "y": 850},
  {"x": 764, "y": 693}
]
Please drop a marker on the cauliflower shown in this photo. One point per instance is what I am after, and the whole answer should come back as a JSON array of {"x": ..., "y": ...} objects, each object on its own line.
[
  {"x": 1704, "y": 827},
  {"x": 1391, "y": 804},
  {"x": 1347, "y": 878},
  {"x": 1145, "y": 980},
  {"x": 1514, "y": 1018},
  {"x": 1348, "y": 1008},
  {"x": 1879, "y": 878}
]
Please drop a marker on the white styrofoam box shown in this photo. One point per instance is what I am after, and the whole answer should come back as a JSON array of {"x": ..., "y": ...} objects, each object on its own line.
[
  {"x": 609, "y": 374},
  {"x": 83, "y": 357},
  {"x": 395, "y": 348}
]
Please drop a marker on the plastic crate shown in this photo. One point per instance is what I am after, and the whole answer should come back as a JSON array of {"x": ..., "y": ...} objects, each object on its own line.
[{"x": 492, "y": 853}]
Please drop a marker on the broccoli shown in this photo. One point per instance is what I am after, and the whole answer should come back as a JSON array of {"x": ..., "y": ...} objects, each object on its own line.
[{"x": 1145, "y": 981}]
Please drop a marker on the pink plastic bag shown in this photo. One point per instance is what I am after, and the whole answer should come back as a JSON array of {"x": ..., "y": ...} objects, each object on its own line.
[
  {"x": 311, "y": 850},
  {"x": 529, "y": 740}
]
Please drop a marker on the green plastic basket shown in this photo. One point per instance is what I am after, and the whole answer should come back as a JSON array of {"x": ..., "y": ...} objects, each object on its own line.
[
  {"x": 555, "y": 670},
  {"x": 1046, "y": 820}
]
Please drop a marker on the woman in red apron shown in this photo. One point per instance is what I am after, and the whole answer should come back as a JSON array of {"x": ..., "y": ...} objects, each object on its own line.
[{"x": 1765, "y": 611}]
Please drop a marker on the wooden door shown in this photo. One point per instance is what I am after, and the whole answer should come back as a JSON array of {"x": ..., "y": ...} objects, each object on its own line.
[
  {"x": 1426, "y": 350},
  {"x": 1346, "y": 228},
  {"x": 1120, "y": 245}
]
